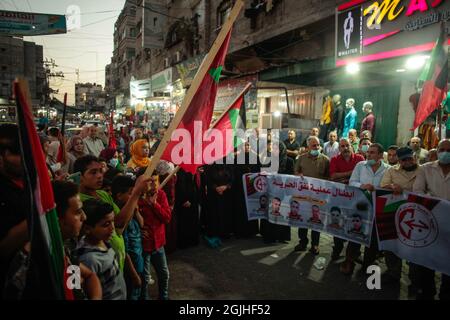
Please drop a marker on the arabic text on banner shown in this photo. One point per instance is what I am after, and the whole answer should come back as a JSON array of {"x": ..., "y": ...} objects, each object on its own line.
[{"x": 325, "y": 206}]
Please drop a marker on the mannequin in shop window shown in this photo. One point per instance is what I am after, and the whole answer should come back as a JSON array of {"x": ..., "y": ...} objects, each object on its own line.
[
  {"x": 369, "y": 120},
  {"x": 350, "y": 117},
  {"x": 338, "y": 114},
  {"x": 325, "y": 119}
]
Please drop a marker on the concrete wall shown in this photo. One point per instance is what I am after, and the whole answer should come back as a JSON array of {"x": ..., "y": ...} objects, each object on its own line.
[{"x": 286, "y": 15}]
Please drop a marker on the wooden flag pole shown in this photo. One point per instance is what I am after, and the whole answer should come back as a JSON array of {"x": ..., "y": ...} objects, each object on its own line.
[
  {"x": 195, "y": 85},
  {"x": 177, "y": 168}
]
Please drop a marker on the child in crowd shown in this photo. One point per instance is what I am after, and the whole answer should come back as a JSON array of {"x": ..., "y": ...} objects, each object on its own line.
[
  {"x": 156, "y": 212},
  {"x": 96, "y": 252},
  {"x": 71, "y": 217},
  {"x": 122, "y": 187}
]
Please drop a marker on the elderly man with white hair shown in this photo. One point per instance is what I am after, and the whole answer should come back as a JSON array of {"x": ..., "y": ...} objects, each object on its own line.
[{"x": 315, "y": 165}]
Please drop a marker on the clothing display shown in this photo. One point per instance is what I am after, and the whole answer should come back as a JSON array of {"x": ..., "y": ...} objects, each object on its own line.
[{"x": 349, "y": 122}]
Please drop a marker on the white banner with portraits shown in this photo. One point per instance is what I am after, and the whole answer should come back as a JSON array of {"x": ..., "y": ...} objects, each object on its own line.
[{"x": 334, "y": 208}]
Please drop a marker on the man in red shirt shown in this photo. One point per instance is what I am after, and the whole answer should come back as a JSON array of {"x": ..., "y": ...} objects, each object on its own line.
[
  {"x": 341, "y": 168},
  {"x": 156, "y": 212}
]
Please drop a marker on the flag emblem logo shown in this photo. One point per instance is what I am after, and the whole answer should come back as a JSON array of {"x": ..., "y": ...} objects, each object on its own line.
[{"x": 416, "y": 226}]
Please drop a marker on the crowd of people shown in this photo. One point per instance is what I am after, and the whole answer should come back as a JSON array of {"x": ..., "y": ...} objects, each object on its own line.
[{"x": 117, "y": 223}]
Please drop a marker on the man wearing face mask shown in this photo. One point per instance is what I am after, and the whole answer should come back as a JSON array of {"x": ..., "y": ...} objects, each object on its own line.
[
  {"x": 341, "y": 168},
  {"x": 433, "y": 178},
  {"x": 364, "y": 145},
  {"x": 367, "y": 175},
  {"x": 315, "y": 165},
  {"x": 398, "y": 179}
]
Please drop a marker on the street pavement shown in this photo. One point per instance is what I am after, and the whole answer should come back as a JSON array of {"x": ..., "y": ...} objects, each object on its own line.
[{"x": 251, "y": 269}]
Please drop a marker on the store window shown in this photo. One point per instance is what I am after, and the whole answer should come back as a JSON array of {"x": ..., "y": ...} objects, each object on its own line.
[
  {"x": 130, "y": 53},
  {"x": 132, "y": 32}
]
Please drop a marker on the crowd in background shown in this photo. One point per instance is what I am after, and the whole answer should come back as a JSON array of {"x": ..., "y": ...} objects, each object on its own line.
[{"x": 118, "y": 223}]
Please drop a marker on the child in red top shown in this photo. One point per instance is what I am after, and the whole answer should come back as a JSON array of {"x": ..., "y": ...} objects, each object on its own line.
[{"x": 156, "y": 212}]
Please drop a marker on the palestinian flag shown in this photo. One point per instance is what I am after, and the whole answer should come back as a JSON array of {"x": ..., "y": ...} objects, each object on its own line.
[
  {"x": 434, "y": 80},
  {"x": 223, "y": 138},
  {"x": 46, "y": 270},
  {"x": 198, "y": 116}
]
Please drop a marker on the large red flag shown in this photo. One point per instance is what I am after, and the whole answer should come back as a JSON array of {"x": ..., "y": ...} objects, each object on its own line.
[
  {"x": 197, "y": 118},
  {"x": 434, "y": 77}
]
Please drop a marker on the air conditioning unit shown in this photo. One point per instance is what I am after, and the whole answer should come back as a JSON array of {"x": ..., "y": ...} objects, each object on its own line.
[{"x": 166, "y": 63}]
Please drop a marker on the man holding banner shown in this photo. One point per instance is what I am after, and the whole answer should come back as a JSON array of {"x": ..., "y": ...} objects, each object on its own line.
[
  {"x": 433, "y": 179},
  {"x": 315, "y": 165},
  {"x": 367, "y": 175},
  {"x": 399, "y": 179}
]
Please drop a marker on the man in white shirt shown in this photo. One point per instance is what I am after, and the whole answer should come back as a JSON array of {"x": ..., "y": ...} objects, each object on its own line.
[
  {"x": 433, "y": 178},
  {"x": 367, "y": 175},
  {"x": 331, "y": 147},
  {"x": 92, "y": 144}
]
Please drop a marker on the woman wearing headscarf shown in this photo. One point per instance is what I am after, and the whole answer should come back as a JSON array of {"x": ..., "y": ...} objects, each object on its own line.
[
  {"x": 187, "y": 209},
  {"x": 111, "y": 156},
  {"x": 219, "y": 203},
  {"x": 244, "y": 163},
  {"x": 139, "y": 155},
  {"x": 75, "y": 150}
]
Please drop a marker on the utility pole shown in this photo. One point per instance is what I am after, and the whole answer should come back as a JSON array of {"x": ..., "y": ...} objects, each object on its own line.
[{"x": 49, "y": 66}]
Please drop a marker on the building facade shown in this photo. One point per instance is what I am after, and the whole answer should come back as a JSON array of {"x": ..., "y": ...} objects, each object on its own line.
[
  {"x": 89, "y": 96},
  {"x": 21, "y": 58},
  {"x": 286, "y": 48}
]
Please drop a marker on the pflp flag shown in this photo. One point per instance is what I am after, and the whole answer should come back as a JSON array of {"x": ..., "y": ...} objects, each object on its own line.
[
  {"x": 433, "y": 79},
  {"x": 197, "y": 119},
  {"x": 46, "y": 270},
  {"x": 414, "y": 227}
]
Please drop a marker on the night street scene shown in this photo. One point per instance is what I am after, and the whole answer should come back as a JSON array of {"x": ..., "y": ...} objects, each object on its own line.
[{"x": 227, "y": 155}]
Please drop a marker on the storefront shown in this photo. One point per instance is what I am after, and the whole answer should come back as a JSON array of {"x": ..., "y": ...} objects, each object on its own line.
[
  {"x": 151, "y": 99},
  {"x": 381, "y": 48},
  {"x": 395, "y": 39}
]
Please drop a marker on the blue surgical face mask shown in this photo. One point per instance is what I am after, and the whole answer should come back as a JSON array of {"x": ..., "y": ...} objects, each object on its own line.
[
  {"x": 371, "y": 162},
  {"x": 365, "y": 148},
  {"x": 113, "y": 162},
  {"x": 314, "y": 153},
  {"x": 444, "y": 157}
]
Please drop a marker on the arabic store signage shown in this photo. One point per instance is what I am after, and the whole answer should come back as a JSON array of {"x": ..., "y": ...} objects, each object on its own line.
[
  {"x": 368, "y": 30},
  {"x": 31, "y": 24}
]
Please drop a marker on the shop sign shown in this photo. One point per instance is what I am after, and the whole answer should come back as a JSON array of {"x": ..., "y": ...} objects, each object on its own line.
[
  {"x": 188, "y": 69},
  {"x": 31, "y": 24},
  {"x": 387, "y": 28},
  {"x": 229, "y": 90},
  {"x": 146, "y": 88}
]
